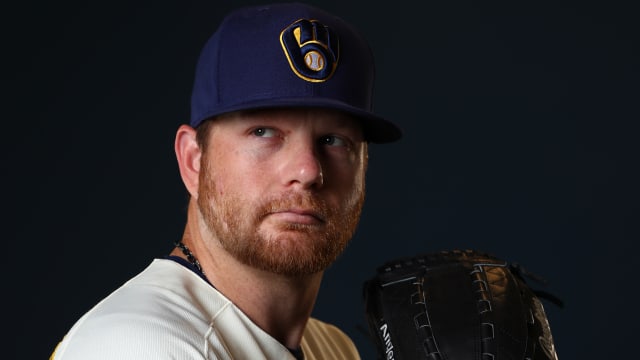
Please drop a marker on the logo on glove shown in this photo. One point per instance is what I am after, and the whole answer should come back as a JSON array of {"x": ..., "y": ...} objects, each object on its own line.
[{"x": 384, "y": 332}]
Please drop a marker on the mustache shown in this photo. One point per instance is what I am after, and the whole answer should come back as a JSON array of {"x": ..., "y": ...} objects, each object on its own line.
[{"x": 306, "y": 202}]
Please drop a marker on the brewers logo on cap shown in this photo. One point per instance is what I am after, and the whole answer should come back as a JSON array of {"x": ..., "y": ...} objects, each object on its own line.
[{"x": 312, "y": 49}]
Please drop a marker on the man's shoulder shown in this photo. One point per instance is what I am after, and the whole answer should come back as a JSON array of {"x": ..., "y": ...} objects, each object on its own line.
[
  {"x": 155, "y": 311},
  {"x": 165, "y": 288}
]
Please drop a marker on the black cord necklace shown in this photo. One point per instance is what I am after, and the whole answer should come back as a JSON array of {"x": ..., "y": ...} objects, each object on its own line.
[{"x": 190, "y": 257}]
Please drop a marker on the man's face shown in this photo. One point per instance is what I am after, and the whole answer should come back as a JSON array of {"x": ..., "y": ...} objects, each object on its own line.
[{"x": 282, "y": 190}]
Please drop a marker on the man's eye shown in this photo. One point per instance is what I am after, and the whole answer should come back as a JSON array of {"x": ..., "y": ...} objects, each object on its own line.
[
  {"x": 332, "y": 140},
  {"x": 264, "y": 132}
]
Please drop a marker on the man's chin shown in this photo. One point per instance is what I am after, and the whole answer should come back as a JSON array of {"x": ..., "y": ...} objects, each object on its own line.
[
  {"x": 299, "y": 268},
  {"x": 293, "y": 253}
]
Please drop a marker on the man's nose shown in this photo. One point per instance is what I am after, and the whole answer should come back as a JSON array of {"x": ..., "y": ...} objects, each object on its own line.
[{"x": 303, "y": 166}]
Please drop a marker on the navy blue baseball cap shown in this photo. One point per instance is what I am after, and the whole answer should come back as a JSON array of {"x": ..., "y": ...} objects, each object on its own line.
[{"x": 288, "y": 55}]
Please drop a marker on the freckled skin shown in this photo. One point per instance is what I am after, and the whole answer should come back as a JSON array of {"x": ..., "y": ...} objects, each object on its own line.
[{"x": 283, "y": 190}]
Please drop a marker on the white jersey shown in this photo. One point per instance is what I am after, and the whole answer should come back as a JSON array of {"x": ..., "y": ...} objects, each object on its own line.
[{"x": 169, "y": 312}]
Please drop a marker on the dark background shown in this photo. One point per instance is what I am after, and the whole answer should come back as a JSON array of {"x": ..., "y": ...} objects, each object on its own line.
[{"x": 520, "y": 141}]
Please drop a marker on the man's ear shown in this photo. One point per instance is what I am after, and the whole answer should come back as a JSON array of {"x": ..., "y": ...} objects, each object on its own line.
[{"x": 188, "y": 154}]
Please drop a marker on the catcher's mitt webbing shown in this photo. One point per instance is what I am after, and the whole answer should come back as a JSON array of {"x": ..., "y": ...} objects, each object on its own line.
[{"x": 455, "y": 305}]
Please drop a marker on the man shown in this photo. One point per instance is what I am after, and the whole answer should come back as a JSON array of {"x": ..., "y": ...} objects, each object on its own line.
[{"x": 274, "y": 160}]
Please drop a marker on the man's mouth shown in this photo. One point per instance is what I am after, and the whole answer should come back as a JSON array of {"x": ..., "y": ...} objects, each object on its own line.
[{"x": 299, "y": 216}]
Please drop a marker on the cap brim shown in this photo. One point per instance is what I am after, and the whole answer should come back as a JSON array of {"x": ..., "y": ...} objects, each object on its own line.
[{"x": 376, "y": 129}]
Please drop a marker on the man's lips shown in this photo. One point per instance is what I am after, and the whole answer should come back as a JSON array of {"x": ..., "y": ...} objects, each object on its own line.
[{"x": 298, "y": 216}]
